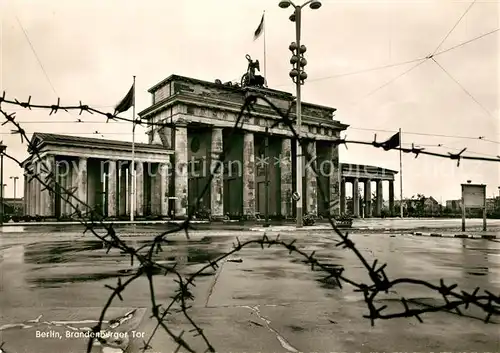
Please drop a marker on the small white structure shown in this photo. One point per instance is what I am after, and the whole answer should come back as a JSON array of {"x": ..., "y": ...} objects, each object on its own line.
[{"x": 473, "y": 196}]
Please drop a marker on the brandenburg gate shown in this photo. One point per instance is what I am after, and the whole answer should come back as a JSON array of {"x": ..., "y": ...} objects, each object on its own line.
[{"x": 190, "y": 122}]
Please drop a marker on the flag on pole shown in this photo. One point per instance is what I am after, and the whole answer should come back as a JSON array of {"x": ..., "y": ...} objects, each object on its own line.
[
  {"x": 393, "y": 142},
  {"x": 259, "y": 29},
  {"x": 126, "y": 102}
]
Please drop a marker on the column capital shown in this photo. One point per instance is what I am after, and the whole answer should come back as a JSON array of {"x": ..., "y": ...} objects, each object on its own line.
[{"x": 181, "y": 122}]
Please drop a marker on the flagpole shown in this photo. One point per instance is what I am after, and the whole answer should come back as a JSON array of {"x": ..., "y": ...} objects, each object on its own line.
[
  {"x": 400, "y": 175},
  {"x": 132, "y": 168},
  {"x": 265, "y": 70}
]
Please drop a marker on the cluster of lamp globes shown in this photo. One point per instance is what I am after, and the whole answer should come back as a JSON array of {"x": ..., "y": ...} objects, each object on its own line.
[
  {"x": 298, "y": 57},
  {"x": 298, "y": 61}
]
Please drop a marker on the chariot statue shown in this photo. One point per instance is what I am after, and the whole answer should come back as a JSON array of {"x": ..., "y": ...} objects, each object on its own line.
[{"x": 250, "y": 78}]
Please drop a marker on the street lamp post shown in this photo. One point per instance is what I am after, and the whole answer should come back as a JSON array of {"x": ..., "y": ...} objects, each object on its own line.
[
  {"x": 266, "y": 170},
  {"x": 298, "y": 76},
  {"x": 2, "y": 151},
  {"x": 15, "y": 184}
]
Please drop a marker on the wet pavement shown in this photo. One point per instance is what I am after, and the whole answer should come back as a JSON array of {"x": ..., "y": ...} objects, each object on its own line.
[{"x": 53, "y": 289}]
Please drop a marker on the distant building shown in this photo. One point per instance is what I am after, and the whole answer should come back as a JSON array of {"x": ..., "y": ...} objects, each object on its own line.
[
  {"x": 492, "y": 204},
  {"x": 454, "y": 205},
  {"x": 431, "y": 206}
]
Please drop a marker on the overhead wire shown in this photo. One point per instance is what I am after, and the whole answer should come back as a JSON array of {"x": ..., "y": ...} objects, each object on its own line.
[
  {"x": 389, "y": 82},
  {"x": 36, "y": 55},
  {"x": 365, "y": 70},
  {"x": 466, "y": 42},
  {"x": 482, "y": 138},
  {"x": 453, "y": 28},
  {"x": 419, "y": 63},
  {"x": 37, "y": 58},
  {"x": 376, "y": 68},
  {"x": 464, "y": 89}
]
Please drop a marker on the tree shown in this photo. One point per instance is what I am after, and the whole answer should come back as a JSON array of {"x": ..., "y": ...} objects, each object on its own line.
[{"x": 417, "y": 208}]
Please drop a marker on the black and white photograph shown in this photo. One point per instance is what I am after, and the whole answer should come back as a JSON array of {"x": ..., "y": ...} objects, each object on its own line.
[{"x": 236, "y": 176}]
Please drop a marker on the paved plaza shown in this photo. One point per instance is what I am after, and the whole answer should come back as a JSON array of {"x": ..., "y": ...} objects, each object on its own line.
[{"x": 261, "y": 300}]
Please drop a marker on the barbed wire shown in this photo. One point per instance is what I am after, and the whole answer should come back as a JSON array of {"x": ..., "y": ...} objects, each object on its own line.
[
  {"x": 54, "y": 108},
  {"x": 92, "y": 220}
]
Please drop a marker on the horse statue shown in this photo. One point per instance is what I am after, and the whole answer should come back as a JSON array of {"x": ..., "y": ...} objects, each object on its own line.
[{"x": 250, "y": 78}]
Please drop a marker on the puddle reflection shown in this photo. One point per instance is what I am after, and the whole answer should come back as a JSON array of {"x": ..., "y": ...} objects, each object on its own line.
[
  {"x": 87, "y": 261},
  {"x": 477, "y": 268}
]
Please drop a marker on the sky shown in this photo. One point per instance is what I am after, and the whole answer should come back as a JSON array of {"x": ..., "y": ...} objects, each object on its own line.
[{"x": 89, "y": 51}]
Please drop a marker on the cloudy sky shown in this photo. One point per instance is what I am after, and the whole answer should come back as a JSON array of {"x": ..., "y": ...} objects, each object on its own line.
[{"x": 89, "y": 51}]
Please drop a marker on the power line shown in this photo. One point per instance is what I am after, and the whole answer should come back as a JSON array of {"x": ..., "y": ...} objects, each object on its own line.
[
  {"x": 399, "y": 63},
  {"x": 365, "y": 70},
  {"x": 36, "y": 55},
  {"x": 451, "y": 30},
  {"x": 467, "y": 42},
  {"x": 463, "y": 88},
  {"x": 391, "y": 81},
  {"x": 428, "y": 134}
]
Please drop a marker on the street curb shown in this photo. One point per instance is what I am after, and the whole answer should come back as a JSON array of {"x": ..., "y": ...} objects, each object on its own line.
[
  {"x": 461, "y": 236},
  {"x": 73, "y": 223}
]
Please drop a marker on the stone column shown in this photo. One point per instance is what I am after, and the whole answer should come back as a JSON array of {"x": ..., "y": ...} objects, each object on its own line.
[
  {"x": 82, "y": 180},
  {"x": 36, "y": 196},
  {"x": 50, "y": 198},
  {"x": 391, "y": 198},
  {"x": 152, "y": 170},
  {"x": 128, "y": 192},
  {"x": 25, "y": 194},
  {"x": 32, "y": 197},
  {"x": 181, "y": 170},
  {"x": 123, "y": 190},
  {"x": 379, "y": 198},
  {"x": 69, "y": 188},
  {"x": 139, "y": 188},
  {"x": 112, "y": 176},
  {"x": 248, "y": 175},
  {"x": 335, "y": 175},
  {"x": 62, "y": 186},
  {"x": 39, "y": 201},
  {"x": 43, "y": 190},
  {"x": 355, "y": 197},
  {"x": 155, "y": 189},
  {"x": 286, "y": 177},
  {"x": 29, "y": 194},
  {"x": 217, "y": 189},
  {"x": 342, "y": 196},
  {"x": 65, "y": 181},
  {"x": 74, "y": 184},
  {"x": 368, "y": 198},
  {"x": 164, "y": 192},
  {"x": 311, "y": 181}
]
